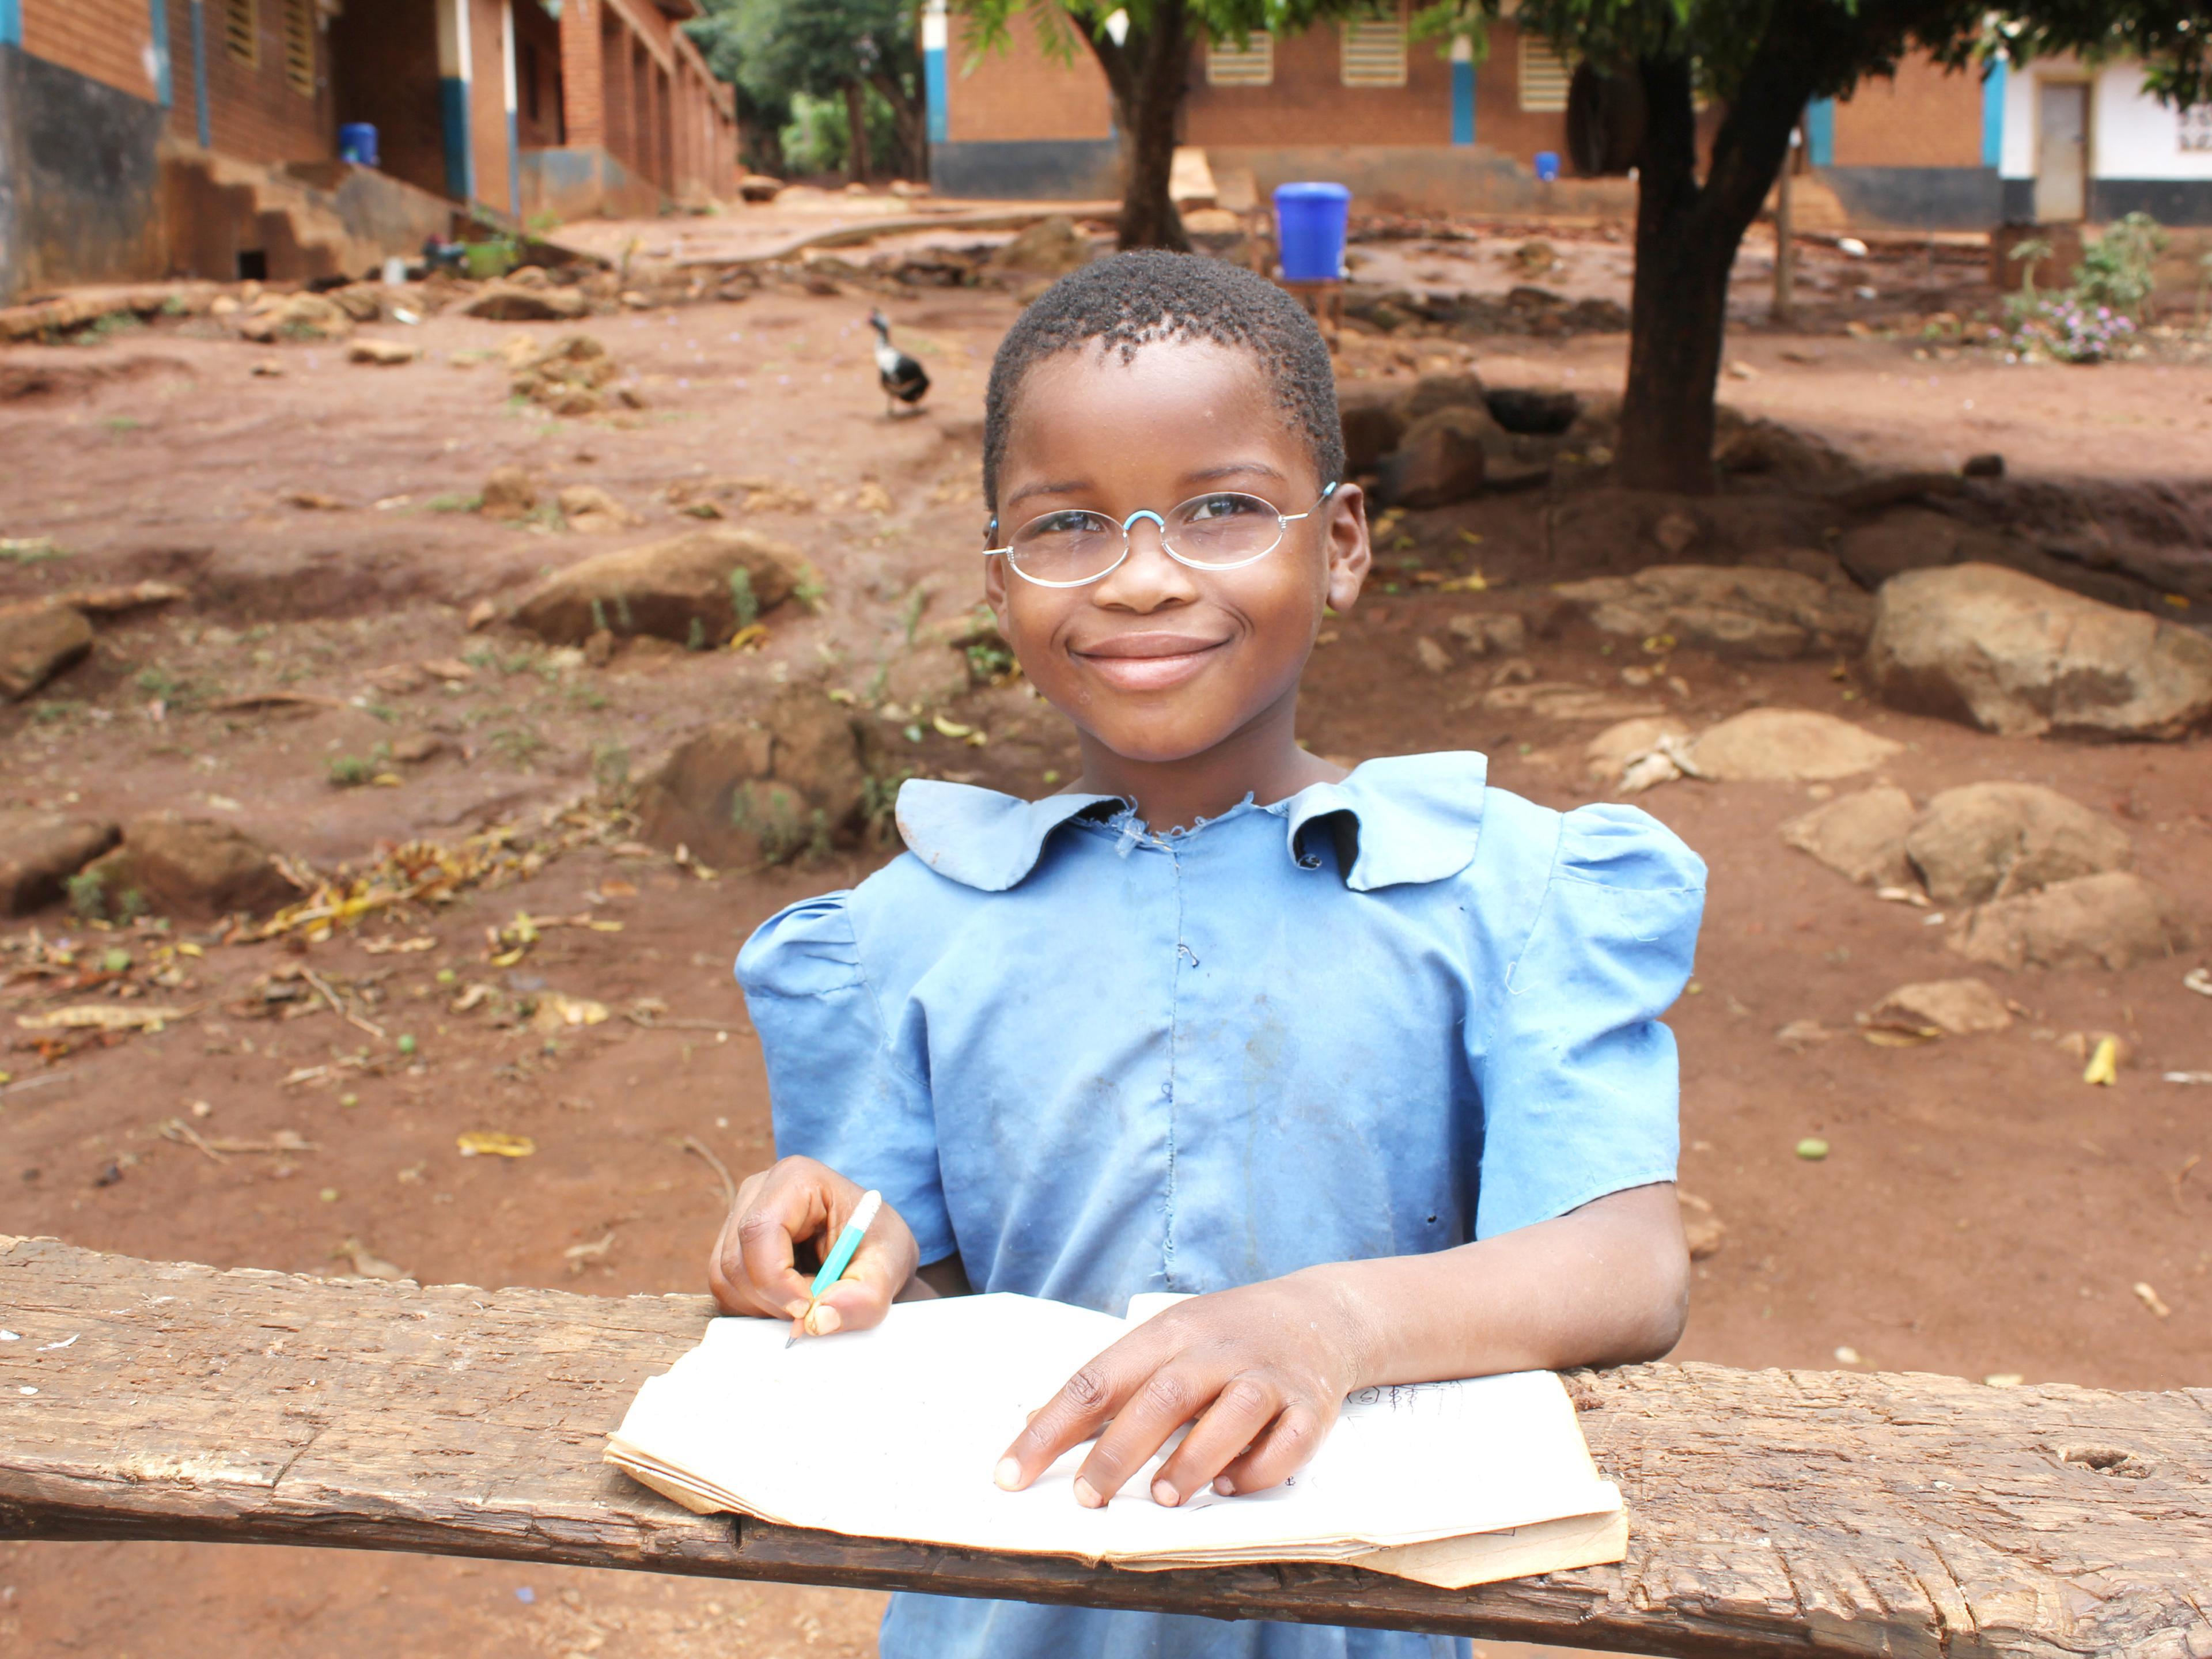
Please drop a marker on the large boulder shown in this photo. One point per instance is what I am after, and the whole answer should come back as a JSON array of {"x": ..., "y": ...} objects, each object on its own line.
[
  {"x": 1787, "y": 745},
  {"x": 1434, "y": 392},
  {"x": 1942, "y": 1007},
  {"x": 1369, "y": 413},
  {"x": 2019, "y": 657},
  {"x": 191, "y": 867},
  {"x": 569, "y": 377},
  {"x": 1440, "y": 459},
  {"x": 1861, "y": 835},
  {"x": 2112, "y": 920},
  {"x": 1907, "y": 539},
  {"x": 743, "y": 794},
  {"x": 37, "y": 642},
  {"x": 40, "y": 851},
  {"x": 1734, "y": 611},
  {"x": 696, "y": 589},
  {"x": 1050, "y": 247},
  {"x": 1989, "y": 841},
  {"x": 295, "y": 317}
]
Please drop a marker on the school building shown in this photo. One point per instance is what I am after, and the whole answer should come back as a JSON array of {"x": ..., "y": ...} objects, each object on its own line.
[
  {"x": 148, "y": 138},
  {"x": 1413, "y": 127}
]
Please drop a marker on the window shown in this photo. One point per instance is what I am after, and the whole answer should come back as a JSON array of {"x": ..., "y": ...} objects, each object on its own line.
[
  {"x": 300, "y": 46},
  {"x": 241, "y": 31},
  {"x": 1544, "y": 76},
  {"x": 1252, "y": 65},
  {"x": 2196, "y": 128},
  {"x": 1374, "y": 52}
]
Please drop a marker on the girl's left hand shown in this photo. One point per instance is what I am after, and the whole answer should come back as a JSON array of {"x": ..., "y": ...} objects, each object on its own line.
[{"x": 1263, "y": 1370}]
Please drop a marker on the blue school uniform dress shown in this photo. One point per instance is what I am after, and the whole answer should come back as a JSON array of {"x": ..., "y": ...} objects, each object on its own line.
[{"x": 1382, "y": 1017}]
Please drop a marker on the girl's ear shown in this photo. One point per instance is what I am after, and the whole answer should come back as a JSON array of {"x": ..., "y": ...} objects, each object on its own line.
[
  {"x": 994, "y": 589},
  {"x": 1351, "y": 555}
]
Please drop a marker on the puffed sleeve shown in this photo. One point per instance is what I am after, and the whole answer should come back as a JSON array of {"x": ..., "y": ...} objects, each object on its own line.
[
  {"x": 839, "y": 1091},
  {"x": 1577, "y": 1076}
]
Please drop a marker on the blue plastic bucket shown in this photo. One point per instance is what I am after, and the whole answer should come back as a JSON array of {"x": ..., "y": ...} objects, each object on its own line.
[
  {"x": 1547, "y": 165},
  {"x": 1309, "y": 226},
  {"x": 357, "y": 143}
]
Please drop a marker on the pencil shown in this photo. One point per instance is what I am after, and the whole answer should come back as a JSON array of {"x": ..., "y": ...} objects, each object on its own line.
[{"x": 839, "y": 1259}]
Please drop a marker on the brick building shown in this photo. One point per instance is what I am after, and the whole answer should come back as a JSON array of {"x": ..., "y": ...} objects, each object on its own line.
[
  {"x": 1410, "y": 127},
  {"x": 140, "y": 138}
]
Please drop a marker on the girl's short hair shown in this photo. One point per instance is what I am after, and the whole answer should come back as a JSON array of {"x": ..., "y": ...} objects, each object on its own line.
[{"x": 1126, "y": 301}]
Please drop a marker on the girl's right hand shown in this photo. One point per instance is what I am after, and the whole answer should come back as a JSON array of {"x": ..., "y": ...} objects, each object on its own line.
[{"x": 753, "y": 1269}]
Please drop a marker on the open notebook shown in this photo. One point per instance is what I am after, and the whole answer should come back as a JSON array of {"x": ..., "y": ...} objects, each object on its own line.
[{"x": 894, "y": 1433}]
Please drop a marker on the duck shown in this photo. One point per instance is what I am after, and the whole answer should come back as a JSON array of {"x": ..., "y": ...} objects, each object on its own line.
[{"x": 900, "y": 376}]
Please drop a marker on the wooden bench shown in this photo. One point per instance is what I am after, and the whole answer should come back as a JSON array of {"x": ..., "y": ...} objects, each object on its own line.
[{"x": 1771, "y": 1512}]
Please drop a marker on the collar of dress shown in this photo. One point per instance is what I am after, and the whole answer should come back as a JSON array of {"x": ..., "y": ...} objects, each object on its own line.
[{"x": 1404, "y": 819}]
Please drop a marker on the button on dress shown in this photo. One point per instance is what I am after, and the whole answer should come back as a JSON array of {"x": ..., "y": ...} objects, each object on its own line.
[{"x": 1381, "y": 1016}]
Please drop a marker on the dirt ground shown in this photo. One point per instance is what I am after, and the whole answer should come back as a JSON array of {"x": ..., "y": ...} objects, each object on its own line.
[{"x": 1982, "y": 1211}]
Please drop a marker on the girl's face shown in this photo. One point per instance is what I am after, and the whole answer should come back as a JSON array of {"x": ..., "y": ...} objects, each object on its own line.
[{"x": 1155, "y": 661}]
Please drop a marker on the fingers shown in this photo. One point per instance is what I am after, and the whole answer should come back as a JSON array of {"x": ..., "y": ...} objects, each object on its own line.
[
  {"x": 878, "y": 1271},
  {"x": 755, "y": 1269},
  {"x": 1240, "y": 1415},
  {"x": 1286, "y": 1447},
  {"x": 1083, "y": 1405}
]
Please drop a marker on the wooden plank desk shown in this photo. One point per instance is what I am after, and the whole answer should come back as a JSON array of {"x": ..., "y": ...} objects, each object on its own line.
[{"x": 1770, "y": 1512}]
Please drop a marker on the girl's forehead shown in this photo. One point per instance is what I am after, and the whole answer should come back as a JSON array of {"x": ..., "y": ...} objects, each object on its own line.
[{"x": 1168, "y": 396}]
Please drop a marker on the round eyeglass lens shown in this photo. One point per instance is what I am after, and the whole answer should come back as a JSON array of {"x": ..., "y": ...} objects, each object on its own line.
[
  {"x": 1226, "y": 529},
  {"x": 1066, "y": 547}
]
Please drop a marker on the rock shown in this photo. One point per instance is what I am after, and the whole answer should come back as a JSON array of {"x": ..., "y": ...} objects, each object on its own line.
[
  {"x": 415, "y": 747},
  {"x": 295, "y": 317},
  {"x": 1368, "y": 410},
  {"x": 1483, "y": 632},
  {"x": 1433, "y": 655},
  {"x": 1702, "y": 1230},
  {"x": 1434, "y": 392},
  {"x": 590, "y": 510},
  {"x": 385, "y": 354},
  {"x": 1987, "y": 840},
  {"x": 1945, "y": 1007},
  {"x": 1787, "y": 745},
  {"x": 511, "y": 301},
  {"x": 359, "y": 301},
  {"x": 690, "y": 589},
  {"x": 1738, "y": 610},
  {"x": 1050, "y": 247},
  {"x": 1988, "y": 465},
  {"x": 482, "y": 614},
  {"x": 1768, "y": 449},
  {"x": 1915, "y": 538},
  {"x": 599, "y": 647},
  {"x": 1563, "y": 699},
  {"x": 1674, "y": 531},
  {"x": 399, "y": 679},
  {"x": 192, "y": 867},
  {"x": 1532, "y": 411},
  {"x": 1861, "y": 835},
  {"x": 510, "y": 493},
  {"x": 743, "y": 794},
  {"x": 569, "y": 377},
  {"x": 2021, "y": 657},
  {"x": 1439, "y": 461},
  {"x": 759, "y": 188},
  {"x": 1612, "y": 752},
  {"x": 38, "y": 642},
  {"x": 2112, "y": 920},
  {"x": 39, "y": 852}
]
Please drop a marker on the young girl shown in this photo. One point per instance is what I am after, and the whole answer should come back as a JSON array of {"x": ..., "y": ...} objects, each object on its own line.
[{"x": 1369, "y": 1060}]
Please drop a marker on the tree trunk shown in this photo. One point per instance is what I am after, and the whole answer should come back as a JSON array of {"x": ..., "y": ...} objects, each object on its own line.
[
  {"x": 856, "y": 132},
  {"x": 912, "y": 124},
  {"x": 1687, "y": 237},
  {"x": 1147, "y": 75}
]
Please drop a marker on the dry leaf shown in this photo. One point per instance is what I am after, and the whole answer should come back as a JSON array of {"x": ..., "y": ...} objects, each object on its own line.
[
  {"x": 494, "y": 1143},
  {"x": 101, "y": 1016}
]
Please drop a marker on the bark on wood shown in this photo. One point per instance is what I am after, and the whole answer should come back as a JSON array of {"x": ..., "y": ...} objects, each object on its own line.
[
  {"x": 1770, "y": 1512},
  {"x": 1146, "y": 75}
]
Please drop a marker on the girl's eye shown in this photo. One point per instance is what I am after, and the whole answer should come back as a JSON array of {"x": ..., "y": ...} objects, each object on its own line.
[
  {"x": 1063, "y": 524},
  {"x": 1224, "y": 506}
]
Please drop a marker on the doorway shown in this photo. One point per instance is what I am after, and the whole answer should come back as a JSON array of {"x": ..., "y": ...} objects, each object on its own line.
[{"x": 2061, "y": 151}]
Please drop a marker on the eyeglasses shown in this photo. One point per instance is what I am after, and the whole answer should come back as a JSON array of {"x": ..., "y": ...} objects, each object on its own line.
[{"x": 1222, "y": 531}]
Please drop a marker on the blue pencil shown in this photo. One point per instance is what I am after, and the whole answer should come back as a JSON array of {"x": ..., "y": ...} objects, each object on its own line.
[{"x": 839, "y": 1259}]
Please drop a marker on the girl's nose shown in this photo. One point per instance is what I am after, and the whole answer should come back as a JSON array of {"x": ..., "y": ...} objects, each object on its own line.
[{"x": 1148, "y": 578}]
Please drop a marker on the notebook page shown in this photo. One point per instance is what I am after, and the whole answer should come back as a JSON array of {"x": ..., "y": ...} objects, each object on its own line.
[{"x": 895, "y": 1432}]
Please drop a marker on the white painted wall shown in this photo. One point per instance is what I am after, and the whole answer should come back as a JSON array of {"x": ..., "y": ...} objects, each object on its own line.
[{"x": 2131, "y": 134}]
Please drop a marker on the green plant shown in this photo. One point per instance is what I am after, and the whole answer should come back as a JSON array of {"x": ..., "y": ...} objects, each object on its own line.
[
  {"x": 348, "y": 771},
  {"x": 88, "y": 896},
  {"x": 106, "y": 328},
  {"x": 598, "y": 617},
  {"x": 452, "y": 503},
  {"x": 910, "y": 613},
  {"x": 493, "y": 257},
  {"x": 810, "y": 591},
  {"x": 129, "y": 905},
  {"x": 695, "y": 638},
  {"x": 52, "y": 711},
  {"x": 744, "y": 604},
  {"x": 30, "y": 549},
  {"x": 780, "y": 820},
  {"x": 2027, "y": 255},
  {"x": 2116, "y": 270},
  {"x": 158, "y": 681},
  {"x": 989, "y": 661},
  {"x": 518, "y": 746},
  {"x": 611, "y": 767}
]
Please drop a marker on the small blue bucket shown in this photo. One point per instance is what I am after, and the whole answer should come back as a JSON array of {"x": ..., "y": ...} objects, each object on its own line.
[
  {"x": 1309, "y": 228},
  {"x": 1547, "y": 165},
  {"x": 357, "y": 143}
]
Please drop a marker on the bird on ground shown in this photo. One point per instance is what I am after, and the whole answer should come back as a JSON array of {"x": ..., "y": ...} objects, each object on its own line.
[{"x": 900, "y": 376}]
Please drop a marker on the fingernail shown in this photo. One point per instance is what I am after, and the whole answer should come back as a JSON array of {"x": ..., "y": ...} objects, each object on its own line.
[
  {"x": 825, "y": 1320},
  {"x": 1226, "y": 1487},
  {"x": 1008, "y": 1474},
  {"x": 1085, "y": 1495},
  {"x": 795, "y": 1309},
  {"x": 1165, "y": 1494}
]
